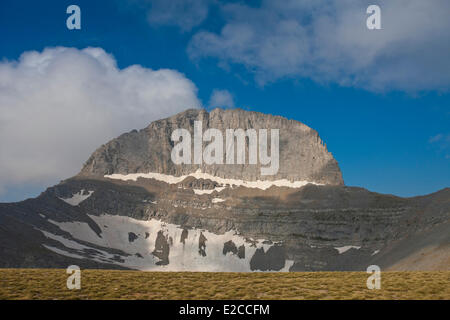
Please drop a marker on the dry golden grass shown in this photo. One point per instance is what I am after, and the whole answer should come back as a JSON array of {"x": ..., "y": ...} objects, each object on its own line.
[{"x": 108, "y": 284}]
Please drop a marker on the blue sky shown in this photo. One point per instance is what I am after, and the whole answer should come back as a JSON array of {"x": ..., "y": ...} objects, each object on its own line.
[{"x": 390, "y": 133}]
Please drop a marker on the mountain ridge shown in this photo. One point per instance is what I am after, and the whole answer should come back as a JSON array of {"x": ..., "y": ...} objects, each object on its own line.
[{"x": 111, "y": 215}]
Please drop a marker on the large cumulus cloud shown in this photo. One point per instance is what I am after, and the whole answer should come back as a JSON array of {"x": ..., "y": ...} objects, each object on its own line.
[{"x": 57, "y": 106}]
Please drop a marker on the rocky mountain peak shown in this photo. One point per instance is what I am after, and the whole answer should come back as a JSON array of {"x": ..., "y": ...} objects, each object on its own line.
[{"x": 302, "y": 154}]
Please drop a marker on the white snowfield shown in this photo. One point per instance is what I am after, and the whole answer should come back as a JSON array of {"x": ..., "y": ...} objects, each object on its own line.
[
  {"x": 259, "y": 184},
  {"x": 208, "y": 191},
  {"x": 77, "y": 198},
  {"x": 346, "y": 248},
  {"x": 116, "y": 234}
]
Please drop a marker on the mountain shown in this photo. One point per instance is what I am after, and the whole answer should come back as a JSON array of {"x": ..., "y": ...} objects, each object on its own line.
[
  {"x": 303, "y": 156},
  {"x": 132, "y": 207}
]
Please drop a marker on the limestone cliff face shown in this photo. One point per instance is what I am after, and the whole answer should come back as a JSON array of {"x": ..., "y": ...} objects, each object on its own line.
[{"x": 302, "y": 154}]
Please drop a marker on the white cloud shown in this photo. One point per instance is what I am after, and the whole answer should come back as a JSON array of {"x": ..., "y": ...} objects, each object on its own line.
[
  {"x": 185, "y": 14},
  {"x": 441, "y": 142},
  {"x": 57, "y": 106},
  {"x": 221, "y": 99},
  {"x": 436, "y": 138},
  {"x": 328, "y": 41}
]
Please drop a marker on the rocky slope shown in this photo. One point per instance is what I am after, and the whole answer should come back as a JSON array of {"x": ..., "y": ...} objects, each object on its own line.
[{"x": 125, "y": 210}]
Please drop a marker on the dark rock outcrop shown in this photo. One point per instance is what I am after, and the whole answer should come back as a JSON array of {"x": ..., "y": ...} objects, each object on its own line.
[
  {"x": 162, "y": 249},
  {"x": 273, "y": 259}
]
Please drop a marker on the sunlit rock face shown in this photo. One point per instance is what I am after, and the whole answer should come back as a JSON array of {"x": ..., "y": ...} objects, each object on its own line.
[{"x": 302, "y": 154}]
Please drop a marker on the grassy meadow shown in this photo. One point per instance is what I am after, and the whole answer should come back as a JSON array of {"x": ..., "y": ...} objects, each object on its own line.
[{"x": 109, "y": 284}]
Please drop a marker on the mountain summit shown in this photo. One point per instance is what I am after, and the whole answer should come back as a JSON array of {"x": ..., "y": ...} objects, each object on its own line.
[{"x": 302, "y": 154}]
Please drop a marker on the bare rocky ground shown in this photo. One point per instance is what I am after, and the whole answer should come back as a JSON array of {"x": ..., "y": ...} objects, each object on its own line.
[{"x": 309, "y": 224}]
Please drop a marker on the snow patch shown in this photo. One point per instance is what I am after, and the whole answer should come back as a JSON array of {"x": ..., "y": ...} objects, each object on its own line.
[
  {"x": 259, "y": 184},
  {"x": 287, "y": 266},
  {"x": 346, "y": 248},
  {"x": 375, "y": 252},
  {"x": 62, "y": 252},
  {"x": 77, "y": 198},
  {"x": 201, "y": 191},
  {"x": 78, "y": 228},
  {"x": 208, "y": 191},
  {"x": 149, "y": 201},
  {"x": 217, "y": 200},
  {"x": 182, "y": 256},
  {"x": 97, "y": 255}
]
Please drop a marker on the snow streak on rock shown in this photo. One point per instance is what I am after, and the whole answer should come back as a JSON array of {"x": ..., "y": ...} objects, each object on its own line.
[
  {"x": 259, "y": 184},
  {"x": 159, "y": 246},
  {"x": 77, "y": 198}
]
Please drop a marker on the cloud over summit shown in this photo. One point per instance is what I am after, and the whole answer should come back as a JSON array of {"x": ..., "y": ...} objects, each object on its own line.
[{"x": 58, "y": 105}]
